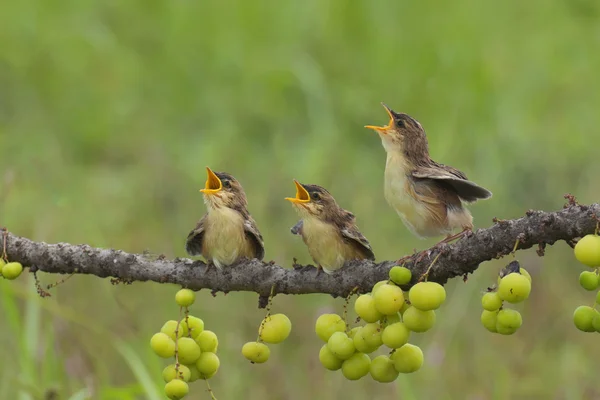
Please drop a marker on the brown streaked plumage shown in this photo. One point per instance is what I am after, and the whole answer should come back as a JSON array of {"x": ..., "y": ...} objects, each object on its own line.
[
  {"x": 428, "y": 196},
  {"x": 329, "y": 231},
  {"x": 227, "y": 232}
]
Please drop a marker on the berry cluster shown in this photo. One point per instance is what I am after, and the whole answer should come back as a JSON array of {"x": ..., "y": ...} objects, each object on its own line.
[
  {"x": 10, "y": 270},
  {"x": 587, "y": 252},
  {"x": 389, "y": 318},
  {"x": 192, "y": 347},
  {"x": 273, "y": 329},
  {"x": 514, "y": 286}
]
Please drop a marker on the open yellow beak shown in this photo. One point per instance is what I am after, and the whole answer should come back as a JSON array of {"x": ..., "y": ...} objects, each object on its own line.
[
  {"x": 213, "y": 183},
  {"x": 383, "y": 129},
  {"x": 301, "y": 194}
]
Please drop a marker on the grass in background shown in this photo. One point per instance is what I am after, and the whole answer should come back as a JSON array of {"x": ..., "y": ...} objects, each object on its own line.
[{"x": 110, "y": 111}]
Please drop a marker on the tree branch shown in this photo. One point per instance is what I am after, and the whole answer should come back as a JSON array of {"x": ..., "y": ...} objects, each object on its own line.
[{"x": 463, "y": 257}]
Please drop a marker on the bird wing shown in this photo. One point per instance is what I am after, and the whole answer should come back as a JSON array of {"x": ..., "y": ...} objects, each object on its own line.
[
  {"x": 350, "y": 232},
  {"x": 255, "y": 237},
  {"x": 468, "y": 191},
  {"x": 193, "y": 243},
  {"x": 297, "y": 229}
]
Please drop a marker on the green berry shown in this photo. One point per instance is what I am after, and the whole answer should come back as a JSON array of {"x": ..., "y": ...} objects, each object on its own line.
[
  {"x": 353, "y": 331},
  {"x": 256, "y": 352},
  {"x": 583, "y": 317},
  {"x": 193, "y": 325},
  {"x": 356, "y": 366},
  {"x": 327, "y": 324},
  {"x": 194, "y": 373},
  {"x": 427, "y": 296},
  {"x": 587, "y": 250},
  {"x": 489, "y": 319},
  {"x": 341, "y": 345},
  {"x": 491, "y": 301},
  {"x": 12, "y": 270},
  {"x": 388, "y": 299},
  {"x": 185, "y": 297},
  {"x": 524, "y": 272},
  {"x": 400, "y": 276},
  {"x": 176, "y": 389},
  {"x": 188, "y": 350},
  {"x": 508, "y": 321},
  {"x": 377, "y": 286},
  {"x": 208, "y": 364},
  {"x": 208, "y": 341},
  {"x": 395, "y": 335},
  {"x": 383, "y": 370},
  {"x": 162, "y": 345},
  {"x": 275, "y": 328},
  {"x": 588, "y": 280},
  {"x": 514, "y": 288},
  {"x": 364, "y": 306},
  {"x": 368, "y": 338},
  {"x": 408, "y": 358},
  {"x": 387, "y": 320},
  {"x": 328, "y": 359},
  {"x": 169, "y": 329},
  {"x": 417, "y": 320},
  {"x": 169, "y": 373}
]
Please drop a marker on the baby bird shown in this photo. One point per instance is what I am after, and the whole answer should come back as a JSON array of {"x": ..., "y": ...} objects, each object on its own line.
[
  {"x": 227, "y": 232},
  {"x": 428, "y": 196},
  {"x": 329, "y": 231}
]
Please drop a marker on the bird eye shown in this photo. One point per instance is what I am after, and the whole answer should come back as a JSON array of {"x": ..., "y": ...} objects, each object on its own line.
[
  {"x": 400, "y": 123},
  {"x": 315, "y": 196},
  {"x": 227, "y": 184}
]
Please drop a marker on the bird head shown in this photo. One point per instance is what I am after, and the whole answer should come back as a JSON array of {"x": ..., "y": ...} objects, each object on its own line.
[
  {"x": 223, "y": 190},
  {"x": 402, "y": 134},
  {"x": 313, "y": 201}
]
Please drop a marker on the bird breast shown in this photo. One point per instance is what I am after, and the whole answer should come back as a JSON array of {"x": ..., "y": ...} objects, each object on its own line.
[
  {"x": 225, "y": 238},
  {"x": 325, "y": 244}
]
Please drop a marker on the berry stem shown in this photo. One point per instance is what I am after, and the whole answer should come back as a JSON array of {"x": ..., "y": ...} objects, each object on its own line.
[
  {"x": 269, "y": 305},
  {"x": 212, "y": 395},
  {"x": 55, "y": 284},
  {"x": 177, "y": 343},
  {"x": 4, "y": 236},
  {"x": 426, "y": 274},
  {"x": 514, "y": 250},
  {"x": 345, "y": 312}
]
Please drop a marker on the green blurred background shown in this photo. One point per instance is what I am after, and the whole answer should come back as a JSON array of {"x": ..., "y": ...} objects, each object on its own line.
[{"x": 109, "y": 112}]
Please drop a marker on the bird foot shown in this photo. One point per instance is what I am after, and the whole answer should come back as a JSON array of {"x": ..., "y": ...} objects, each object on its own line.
[
  {"x": 209, "y": 265},
  {"x": 466, "y": 232},
  {"x": 319, "y": 270}
]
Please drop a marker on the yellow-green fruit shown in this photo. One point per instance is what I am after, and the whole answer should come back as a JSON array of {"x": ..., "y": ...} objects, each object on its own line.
[
  {"x": 524, "y": 272},
  {"x": 341, "y": 345},
  {"x": 361, "y": 344},
  {"x": 587, "y": 250},
  {"x": 583, "y": 317},
  {"x": 194, "y": 373},
  {"x": 192, "y": 325},
  {"x": 427, "y": 296},
  {"x": 377, "y": 286},
  {"x": 489, "y": 319},
  {"x": 514, "y": 288},
  {"x": 12, "y": 270},
  {"x": 188, "y": 350},
  {"x": 327, "y": 324},
  {"x": 382, "y": 369},
  {"x": 508, "y": 321},
  {"x": 417, "y": 320},
  {"x": 353, "y": 331},
  {"x": 162, "y": 345},
  {"x": 364, "y": 306},
  {"x": 395, "y": 335},
  {"x": 400, "y": 275},
  {"x": 256, "y": 352},
  {"x": 588, "y": 280},
  {"x": 185, "y": 297},
  {"x": 176, "y": 389},
  {"x": 356, "y": 366},
  {"x": 491, "y": 301},
  {"x": 169, "y": 373},
  {"x": 276, "y": 328},
  {"x": 388, "y": 299},
  {"x": 408, "y": 358},
  {"x": 387, "y": 320},
  {"x": 169, "y": 329},
  {"x": 405, "y": 305},
  {"x": 208, "y": 341},
  {"x": 208, "y": 364},
  {"x": 328, "y": 359}
]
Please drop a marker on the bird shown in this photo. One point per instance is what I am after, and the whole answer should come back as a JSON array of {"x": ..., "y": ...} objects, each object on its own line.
[
  {"x": 329, "y": 232},
  {"x": 428, "y": 196},
  {"x": 227, "y": 232}
]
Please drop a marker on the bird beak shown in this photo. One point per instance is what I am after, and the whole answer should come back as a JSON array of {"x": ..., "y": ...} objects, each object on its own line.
[
  {"x": 383, "y": 129},
  {"x": 213, "y": 183},
  {"x": 301, "y": 194}
]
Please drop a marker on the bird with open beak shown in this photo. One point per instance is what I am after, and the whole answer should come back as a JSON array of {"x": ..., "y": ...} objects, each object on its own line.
[
  {"x": 227, "y": 232},
  {"x": 329, "y": 231},
  {"x": 428, "y": 196}
]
